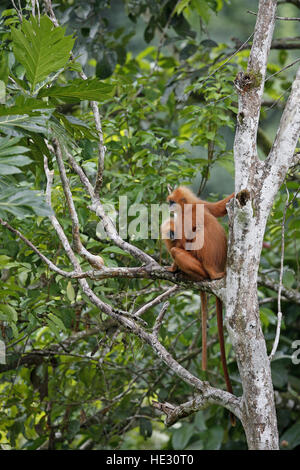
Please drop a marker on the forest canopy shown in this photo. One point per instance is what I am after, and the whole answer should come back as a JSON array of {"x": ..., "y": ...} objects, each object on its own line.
[{"x": 160, "y": 77}]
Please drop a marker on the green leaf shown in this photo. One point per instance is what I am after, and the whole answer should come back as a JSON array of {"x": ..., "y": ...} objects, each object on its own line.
[
  {"x": 200, "y": 421},
  {"x": 21, "y": 202},
  {"x": 30, "y": 106},
  {"x": 106, "y": 66},
  {"x": 53, "y": 328},
  {"x": 115, "y": 249},
  {"x": 182, "y": 436},
  {"x": 181, "y": 6},
  {"x": 29, "y": 123},
  {"x": 214, "y": 438},
  {"x": 8, "y": 313},
  {"x": 188, "y": 51},
  {"x": 70, "y": 292},
  {"x": 78, "y": 90},
  {"x": 6, "y": 263},
  {"x": 4, "y": 69},
  {"x": 145, "y": 427},
  {"x": 41, "y": 48},
  {"x": 57, "y": 321},
  {"x": 2, "y": 92},
  {"x": 197, "y": 445},
  {"x": 279, "y": 373},
  {"x": 288, "y": 277},
  {"x": 14, "y": 328},
  {"x": 291, "y": 437},
  {"x": 11, "y": 156}
]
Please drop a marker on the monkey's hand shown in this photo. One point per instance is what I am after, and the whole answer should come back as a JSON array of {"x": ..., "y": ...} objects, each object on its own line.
[
  {"x": 216, "y": 276},
  {"x": 173, "y": 269}
]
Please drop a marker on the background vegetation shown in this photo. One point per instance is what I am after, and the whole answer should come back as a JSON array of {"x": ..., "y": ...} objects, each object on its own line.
[{"x": 163, "y": 74}]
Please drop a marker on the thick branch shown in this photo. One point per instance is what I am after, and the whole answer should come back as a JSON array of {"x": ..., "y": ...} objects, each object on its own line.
[
  {"x": 101, "y": 147},
  {"x": 95, "y": 110},
  {"x": 283, "y": 18},
  {"x": 286, "y": 43},
  {"x": 214, "y": 287},
  {"x": 145, "y": 272},
  {"x": 290, "y": 294},
  {"x": 211, "y": 394},
  {"x": 94, "y": 260},
  {"x": 52, "y": 266},
  {"x": 175, "y": 413},
  {"x": 250, "y": 86},
  {"x": 280, "y": 43},
  {"x": 282, "y": 155},
  {"x": 107, "y": 223}
]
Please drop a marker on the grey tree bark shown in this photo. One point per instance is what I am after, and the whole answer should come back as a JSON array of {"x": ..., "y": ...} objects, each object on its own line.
[{"x": 256, "y": 185}]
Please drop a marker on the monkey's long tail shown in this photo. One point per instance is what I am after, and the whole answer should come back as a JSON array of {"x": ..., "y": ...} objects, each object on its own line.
[
  {"x": 219, "y": 308},
  {"x": 203, "y": 298}
]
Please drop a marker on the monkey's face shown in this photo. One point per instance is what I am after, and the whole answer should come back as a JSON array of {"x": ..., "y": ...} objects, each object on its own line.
[
  {"x": 171, "y": 235},
  {"x": 168, "y": 230},
  {"x": 176, "y": 197}
]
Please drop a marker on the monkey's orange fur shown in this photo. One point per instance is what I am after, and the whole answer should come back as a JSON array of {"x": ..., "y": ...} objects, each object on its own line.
[
  {"x": 212, "y": 255},
  {"x": 207, "y": 262},
  {"x": 183, "y": 195}
]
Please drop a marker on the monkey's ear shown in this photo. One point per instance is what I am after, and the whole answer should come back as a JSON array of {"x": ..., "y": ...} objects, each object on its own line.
[{"x": 170, "y": 190}]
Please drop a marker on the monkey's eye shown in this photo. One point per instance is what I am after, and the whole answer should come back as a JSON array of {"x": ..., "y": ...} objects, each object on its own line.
[{"x": 171, "y": 202}]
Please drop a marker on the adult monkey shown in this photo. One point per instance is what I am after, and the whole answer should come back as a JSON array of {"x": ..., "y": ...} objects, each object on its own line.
[
  {"x": 205, "y": 261},
  {"x": 183, "y": 195},
  {"x": 208, "y": 245}
]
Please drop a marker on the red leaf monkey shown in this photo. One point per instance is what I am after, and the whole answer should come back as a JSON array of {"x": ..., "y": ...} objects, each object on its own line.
[{"x": 205, "y": 261}]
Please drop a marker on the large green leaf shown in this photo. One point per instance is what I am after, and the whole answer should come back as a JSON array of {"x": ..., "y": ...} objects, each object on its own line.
[
  {"x": 29, "y": 123},
  {"x": 21, "y": 202},
  {"x": 12, "y": 156},
  {"x": 22, "y": 106},
  {"x": 41, "y": 48},
  {"x": 78, "y": 89}
]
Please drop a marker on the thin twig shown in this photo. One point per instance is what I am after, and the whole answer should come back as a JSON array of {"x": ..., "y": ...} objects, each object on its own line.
[
  {"x": 279, "y": 312},
  {"x": 58, "y": 228},
  {"x": 163, "y": 36},
  {"x": 159, "y": 319},
  {"x": 156, "y": 301},
  {"x": 284, "y": 18},
  {"x": 229, "y": 58},
  {"x": 51, "y": 13},
  {"x": 19, "y": 11},
  {"x": 94, "y": 260},
  {"x": 52, "y": 266},
  {"x": 282, "y": 70},
  {"x": 96, "y": 114},
  {"x": 101, "y": 147}
]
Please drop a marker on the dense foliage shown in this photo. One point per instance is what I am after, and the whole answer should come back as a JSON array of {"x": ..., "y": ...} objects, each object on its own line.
[{"x": 72, "y": 378}]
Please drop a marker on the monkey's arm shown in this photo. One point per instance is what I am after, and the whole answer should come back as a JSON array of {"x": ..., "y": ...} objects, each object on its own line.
[
  {"x": 173, "y": 268},
  {"x": 218, "y": 209},
  {"x": 188, "y": 264}
]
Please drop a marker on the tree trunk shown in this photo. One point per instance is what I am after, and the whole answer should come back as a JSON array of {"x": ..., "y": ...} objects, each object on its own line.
[
  {"x": 256, "y": 185},
  {"x": 243, "y": 323}
]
